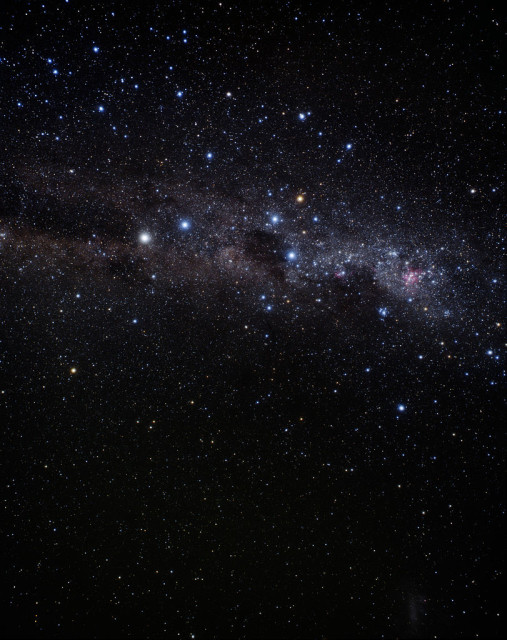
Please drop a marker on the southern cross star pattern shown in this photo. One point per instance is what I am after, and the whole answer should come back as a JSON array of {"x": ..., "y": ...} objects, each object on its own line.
[{"x": 252, "y": 327}]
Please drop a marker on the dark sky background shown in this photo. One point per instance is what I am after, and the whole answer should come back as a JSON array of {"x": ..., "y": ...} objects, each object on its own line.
[{"x": 251, "y": 320}]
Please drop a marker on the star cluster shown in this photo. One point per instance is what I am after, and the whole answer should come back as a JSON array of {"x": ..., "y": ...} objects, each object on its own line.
[{"x": 251, "y": 273}]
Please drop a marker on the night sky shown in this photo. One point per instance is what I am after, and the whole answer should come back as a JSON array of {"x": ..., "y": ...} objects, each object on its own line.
[{"x": 251, "y": 320}]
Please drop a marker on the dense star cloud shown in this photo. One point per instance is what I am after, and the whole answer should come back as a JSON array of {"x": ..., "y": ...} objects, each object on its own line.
[{"x": 252, "y": 328}]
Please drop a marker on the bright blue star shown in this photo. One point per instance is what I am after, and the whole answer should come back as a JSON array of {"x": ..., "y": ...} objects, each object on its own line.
[{"x": 185, "y": 224}]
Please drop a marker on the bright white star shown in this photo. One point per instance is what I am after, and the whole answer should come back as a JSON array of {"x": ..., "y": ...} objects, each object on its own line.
[{"x": 144, "y": 237}]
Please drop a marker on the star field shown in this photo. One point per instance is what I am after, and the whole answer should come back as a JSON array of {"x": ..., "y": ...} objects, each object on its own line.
[{"x": 252, "y": 330}]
